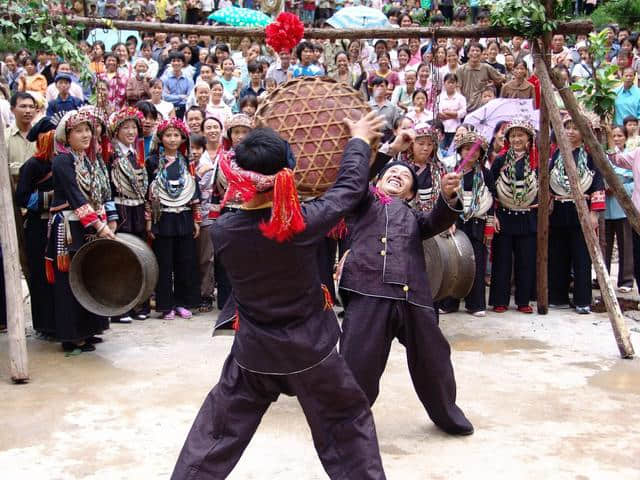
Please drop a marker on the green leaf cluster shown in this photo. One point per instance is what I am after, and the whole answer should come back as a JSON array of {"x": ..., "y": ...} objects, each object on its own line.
[
  {"x": 29, "y": 24},
  {"x": 528, "y": 17},
  {"x": 625, "y": 13},
  {"x": 598, "y": 93}
]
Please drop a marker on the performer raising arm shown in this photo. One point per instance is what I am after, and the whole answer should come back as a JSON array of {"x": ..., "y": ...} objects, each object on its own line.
[
  {"x": 385, "y": 286},
  {"x": 287, "y": 333}
]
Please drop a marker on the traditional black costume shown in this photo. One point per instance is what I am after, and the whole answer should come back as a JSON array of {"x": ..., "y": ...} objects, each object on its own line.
[
  {"x": 515, "y": 243},
  {"x": 286, "y": 341},
  {"x": 81, "y": 200},
  {"x": 34, "y": 193},
  {"x": 386, "y": 290}
]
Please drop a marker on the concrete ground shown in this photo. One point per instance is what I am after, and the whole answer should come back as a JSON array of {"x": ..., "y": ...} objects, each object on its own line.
[{"x": 548, "y": 395}]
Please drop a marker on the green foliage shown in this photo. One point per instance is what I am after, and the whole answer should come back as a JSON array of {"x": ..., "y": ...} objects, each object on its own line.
[
  {"x": 626, "y": 13},
  {"x": 528, "y": 17},
  {"x": 598, "y": 93},
  {"x": 28, "y": 24}
]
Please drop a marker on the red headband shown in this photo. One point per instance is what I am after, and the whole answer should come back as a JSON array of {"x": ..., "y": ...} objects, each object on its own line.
[{"x": 286, "y": 215}]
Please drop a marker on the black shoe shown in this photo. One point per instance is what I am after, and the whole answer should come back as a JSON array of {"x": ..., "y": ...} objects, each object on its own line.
[
  {"x": 70, "y": 347},
  {"x": 93, "y": 340}
]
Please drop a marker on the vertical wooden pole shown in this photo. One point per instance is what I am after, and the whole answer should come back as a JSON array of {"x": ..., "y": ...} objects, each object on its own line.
[
  {"x": 542, "y": 245},
  {"x": 618, "y": 323},
  {"x": 18, "y": 360}
]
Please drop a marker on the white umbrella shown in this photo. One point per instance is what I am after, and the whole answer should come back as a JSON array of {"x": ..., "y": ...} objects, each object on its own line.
[
  {"x": 359, "y": 17},
  {"x": 487, "y": 117}
]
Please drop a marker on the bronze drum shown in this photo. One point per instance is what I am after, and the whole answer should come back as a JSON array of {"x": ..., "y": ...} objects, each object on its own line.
[
  {"x": 308, "y": 112},
  {"x": 451, "y": 265},
  {"x": 110, "y": 277}
]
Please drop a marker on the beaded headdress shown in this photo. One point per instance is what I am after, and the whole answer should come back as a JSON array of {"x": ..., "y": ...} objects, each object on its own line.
[{"x": 126, "y": 113}]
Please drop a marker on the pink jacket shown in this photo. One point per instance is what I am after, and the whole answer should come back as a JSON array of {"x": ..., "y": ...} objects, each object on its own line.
[{"x": 630, "y": 160}]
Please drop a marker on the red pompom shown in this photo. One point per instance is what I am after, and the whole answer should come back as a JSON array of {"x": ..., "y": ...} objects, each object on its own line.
[{"x": 285, "y": 32}]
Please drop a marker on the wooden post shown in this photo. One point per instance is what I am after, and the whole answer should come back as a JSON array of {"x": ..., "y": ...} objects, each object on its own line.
[
  {"x": 574, "y": 27},
  {"x": 19, "y": 364},
  {"x": 542, "y": 245},
  {"x": 599, "y": 156},
  {"x": 618, "y": 323},
  {"x": 544, "y": 198}
]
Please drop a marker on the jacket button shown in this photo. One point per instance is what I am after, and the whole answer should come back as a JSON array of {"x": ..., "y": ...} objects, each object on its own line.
[
  {"x": 383, "y": 239},
  {"x": 383, "y": 253},
  {"x": 405, "y": 288}
]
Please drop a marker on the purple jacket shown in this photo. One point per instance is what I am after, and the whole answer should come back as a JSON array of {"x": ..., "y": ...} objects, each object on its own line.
[
  {"x": 285, "y": 325},
  {"x": 386, "y": 258}
]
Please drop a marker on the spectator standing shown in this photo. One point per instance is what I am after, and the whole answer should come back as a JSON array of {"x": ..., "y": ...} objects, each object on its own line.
[
  {"x": 519, "y": 87},
  {"x": 19, "y": 149},
  {"x": 279, "y": 71},
  {"x": 164, "y": 108},
  {"x": 138, "y": 85},
  {"x": 177, "y": 86},
  {"x": 255, "y": 86},
  {"x": 474, "y": 76},
  {"x": 452, "y": 108},
  {"x": 65, "y": 102},
  {"x": 627, "y": 98},
  {"x": 382, "y": 106}
]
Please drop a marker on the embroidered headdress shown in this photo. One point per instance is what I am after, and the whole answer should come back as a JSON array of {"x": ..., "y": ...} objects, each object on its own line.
[
  {"x": 172, "y": 123},
  {"x": 126, "y": 113},
  {"x": 522, "y": 123},
  {"x": 426, "y": 130}
]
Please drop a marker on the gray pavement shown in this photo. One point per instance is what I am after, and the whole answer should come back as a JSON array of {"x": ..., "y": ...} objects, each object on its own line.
[{"x": 548, "y": 395}]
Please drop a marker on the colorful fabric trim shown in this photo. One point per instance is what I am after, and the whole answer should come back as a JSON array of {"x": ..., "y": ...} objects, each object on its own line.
[
  {"x": 598, "y": 201},
  {"x": 87, "y": 215}
]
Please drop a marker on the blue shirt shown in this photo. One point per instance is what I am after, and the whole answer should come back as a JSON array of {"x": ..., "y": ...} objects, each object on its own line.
[
  {"x": 613, "y": 209},
  {"x": 311, "y": 70},
  {"x": 176, "y": 89},
  {"x": 58, "y": 105},
  {"x": 627, "y": 103},
  {"x": 248, "y": 90}
]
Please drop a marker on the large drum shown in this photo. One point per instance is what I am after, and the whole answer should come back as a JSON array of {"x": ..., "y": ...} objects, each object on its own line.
[
  {"x": 309, "y": 113},
  {"x": 451, "y": 265},
  {"x": 110, "y": 277}
]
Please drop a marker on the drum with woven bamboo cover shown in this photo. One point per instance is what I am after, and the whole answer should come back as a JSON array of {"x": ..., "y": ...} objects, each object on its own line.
[
  {"x": 110, "y": 277},
  {"x": 309, "y": 113},
  {"x": 451, "y": 265}
]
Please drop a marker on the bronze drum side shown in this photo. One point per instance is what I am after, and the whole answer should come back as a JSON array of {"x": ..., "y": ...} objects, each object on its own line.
[
  {"x": 309, "y": 113},
  {"x": 450, "y": 265},
  {"x": 110, "y": 277}
]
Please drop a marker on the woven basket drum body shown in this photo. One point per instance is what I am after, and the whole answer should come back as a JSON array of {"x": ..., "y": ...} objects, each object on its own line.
[{"x": 309, "y": 113}]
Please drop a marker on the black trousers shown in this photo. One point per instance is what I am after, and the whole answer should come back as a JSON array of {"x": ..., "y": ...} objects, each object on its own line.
[
  {"x": 35, "y": 239},
  {"x": 369, "y": 327},
  {"x": 178, "y": 281},
  {"x": 476, "y": 300},
  {"x": 518, "y": 251},
  {"x": 567, "y": 251},
  {"x": 619, "y": 230},
  {"x": 337, "y": 412}
]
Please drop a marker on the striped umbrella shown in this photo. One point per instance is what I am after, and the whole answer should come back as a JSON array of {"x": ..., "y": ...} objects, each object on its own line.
[
  {"x": 359, "y": 17},
  {"x": 240, "y": 17}
]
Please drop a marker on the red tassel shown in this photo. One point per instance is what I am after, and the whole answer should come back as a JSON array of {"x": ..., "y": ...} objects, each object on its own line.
[
  {"x": 48, "y": 271},
  {"x": 236, "y": 322},
  {"x": 140, "y": 152},
  {"x": 286, "y": 215},
  {"x": 328, "y": 301},
  {"x": 339, "y": 231},
  {"x": 63, "y": 262},
  {"x": 533, "y": 157}
]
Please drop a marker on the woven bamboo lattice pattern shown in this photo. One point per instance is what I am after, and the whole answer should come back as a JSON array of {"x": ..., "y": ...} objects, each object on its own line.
[{"x": 309, "y": 113}]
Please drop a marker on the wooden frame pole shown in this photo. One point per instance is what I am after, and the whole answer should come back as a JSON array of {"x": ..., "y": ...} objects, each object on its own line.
[
  {"x": 18, "y": 358},
  {"x": 573, "y": 27},
  {"x": 618, "y": 323}
]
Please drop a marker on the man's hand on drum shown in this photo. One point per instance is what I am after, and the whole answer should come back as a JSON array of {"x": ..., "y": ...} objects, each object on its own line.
[
  {"x": 104, "y": 231},
  {"x": 368, "y": 128},
  {"x": 450, "y": 184}
]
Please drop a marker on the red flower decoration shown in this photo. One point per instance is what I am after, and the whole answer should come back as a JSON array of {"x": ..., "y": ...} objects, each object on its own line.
[{"x": 285, "y": 32}]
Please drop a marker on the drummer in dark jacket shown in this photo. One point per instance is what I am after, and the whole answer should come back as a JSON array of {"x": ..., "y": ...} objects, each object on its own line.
[
  {"x": 384, "y": 280},
  {"x": 287, "y": 330}
]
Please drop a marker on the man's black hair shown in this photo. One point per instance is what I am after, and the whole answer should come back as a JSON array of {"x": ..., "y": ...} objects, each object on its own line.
[
  {"x": 148, "y": 109},
  {"x": 262, "y": 151},
  {"x": 253, "y": 67},
  {"x": 629, "y": 118},
  {"x": 394, "y": 12},
  {"x": 438, "y": 19},
  {"x": 21, "y": 96},
  {"x": 379, "y": 80},
  {"x": 196, "y": 140},
  {"x": 179, "y": 56},
  {"x": 301, "y": 46}
]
